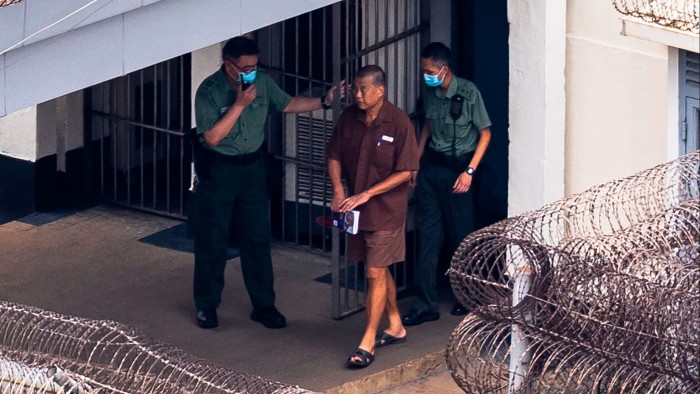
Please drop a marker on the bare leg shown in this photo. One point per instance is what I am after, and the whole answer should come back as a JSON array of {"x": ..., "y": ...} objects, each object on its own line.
[
  {"x": 376, "y": 302},
  {"x": 395, "y": 328}
]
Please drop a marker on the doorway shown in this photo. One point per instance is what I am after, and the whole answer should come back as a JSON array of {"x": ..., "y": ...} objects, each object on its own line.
[{"x": 308, "y": 54}]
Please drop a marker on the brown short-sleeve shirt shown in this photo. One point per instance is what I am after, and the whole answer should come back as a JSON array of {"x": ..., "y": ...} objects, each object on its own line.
[{"x": 369, "y": 155}]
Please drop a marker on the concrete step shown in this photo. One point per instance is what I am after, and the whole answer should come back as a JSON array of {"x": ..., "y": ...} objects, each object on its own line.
[{"x": 424, "y": 375}]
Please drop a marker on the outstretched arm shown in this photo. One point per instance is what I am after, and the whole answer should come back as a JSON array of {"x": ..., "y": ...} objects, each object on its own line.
[{"x": 306, "y": 104}]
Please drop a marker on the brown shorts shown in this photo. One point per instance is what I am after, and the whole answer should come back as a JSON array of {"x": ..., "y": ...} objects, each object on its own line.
[{"x": 378, "y": 248}]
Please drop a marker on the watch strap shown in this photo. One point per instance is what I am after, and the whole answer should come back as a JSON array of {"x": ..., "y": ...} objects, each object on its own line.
[{"x": 323, "y": 102}]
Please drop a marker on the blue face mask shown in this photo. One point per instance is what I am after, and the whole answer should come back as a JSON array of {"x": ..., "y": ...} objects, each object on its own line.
[
  {"x": 432, "y": 80},
  {"x": 248, "y": 77}
]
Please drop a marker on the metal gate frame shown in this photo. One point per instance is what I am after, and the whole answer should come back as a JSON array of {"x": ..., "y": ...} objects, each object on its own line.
[
  {"x": 346, "y": 36},
  {"x": 303, "y": 54},
  {"x": 136, "y": 136}
]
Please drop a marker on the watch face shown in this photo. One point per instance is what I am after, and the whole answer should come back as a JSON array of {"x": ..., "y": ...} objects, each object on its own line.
[{"x": 470, "y": 171}]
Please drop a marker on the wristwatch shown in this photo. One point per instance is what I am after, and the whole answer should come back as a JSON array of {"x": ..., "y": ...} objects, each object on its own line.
[
  {"x": 323, "y": 102},
  {"x": 469, "y": 171}
]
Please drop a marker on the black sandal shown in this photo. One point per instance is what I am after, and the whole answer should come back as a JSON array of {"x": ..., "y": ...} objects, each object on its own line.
[
  {"x": 365, "y": 358},
  {"x": 385, "y": 339}
]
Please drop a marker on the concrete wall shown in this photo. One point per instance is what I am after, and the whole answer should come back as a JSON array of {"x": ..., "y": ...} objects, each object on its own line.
[
  {"x": 616, "y": 98},
  {"x": 52, "y": 127},
  {"x": 50, "y": 51},
  {"x": 110, "y": 39},
  {"x": 537, "y": 102},
  {"x": 18, "y": 134}
]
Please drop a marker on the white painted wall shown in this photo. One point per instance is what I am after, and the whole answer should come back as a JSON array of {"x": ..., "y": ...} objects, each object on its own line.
[
  {"x": 18, "y": 134},
  {"x": 52, "y": 127},
  {"x": 616, "y": 90},
  {"x": 32, "y": 21},
  {"x": 102, "y": 41},
  {"x": 116, "y": 38},
  {"x": 536, "y": 103}
]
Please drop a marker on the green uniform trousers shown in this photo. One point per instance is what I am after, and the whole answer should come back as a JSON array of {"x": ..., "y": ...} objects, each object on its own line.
[
  {"x": 226, "y": 188},
  {"x": 441, "y": 216}
]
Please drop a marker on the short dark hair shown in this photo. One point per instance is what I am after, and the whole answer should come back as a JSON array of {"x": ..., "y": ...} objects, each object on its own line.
[
  {"x": 378, "y": 75},
  {"x": 437, "y": 52},
  {"x": 239, "y": 46}
]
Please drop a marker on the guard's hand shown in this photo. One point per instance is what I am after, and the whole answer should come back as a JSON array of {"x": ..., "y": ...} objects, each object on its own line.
[
  {"x": 340, "y": 89},
  {"x": 245, "y": 97},
  {"x": 462, "y": 184}
]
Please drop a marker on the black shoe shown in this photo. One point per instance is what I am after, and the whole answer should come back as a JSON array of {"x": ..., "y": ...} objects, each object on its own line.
[
  {"x": 415, "y": 317},
  {"x": 459, "y": 310},
  {"x": 269, "y": 317},
  {"x": 206, "y": 318}
]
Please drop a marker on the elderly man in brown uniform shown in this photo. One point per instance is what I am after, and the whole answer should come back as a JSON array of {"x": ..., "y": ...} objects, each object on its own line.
[{"x": 374, "y": 146}]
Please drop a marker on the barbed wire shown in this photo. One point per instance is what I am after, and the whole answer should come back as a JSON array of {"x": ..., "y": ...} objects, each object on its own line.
[
  {"x": 47, "y": 352},
  {"x": 677, "y": 14},
  {"x": 602, "y": 284},
  {"x": 5, "y": 3}
]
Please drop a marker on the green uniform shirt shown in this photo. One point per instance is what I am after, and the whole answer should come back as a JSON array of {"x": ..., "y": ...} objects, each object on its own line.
[
  {"x": 442, "y": 127},
  {"x": 214, "y": 97}
]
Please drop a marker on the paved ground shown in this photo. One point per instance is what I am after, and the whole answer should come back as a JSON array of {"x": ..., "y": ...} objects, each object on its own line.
[{"x": 96, "y": 263}]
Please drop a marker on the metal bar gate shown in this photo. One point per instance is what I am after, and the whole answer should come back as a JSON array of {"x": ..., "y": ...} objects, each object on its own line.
[
  {"x": 307, "y": 54},
  {"x": 137, "y": 131},
  {"x": 139, "y": 122}
]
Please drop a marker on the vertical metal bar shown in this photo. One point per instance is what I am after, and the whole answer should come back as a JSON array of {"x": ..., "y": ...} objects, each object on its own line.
[
  {"x": 127, "y": 79},
  {"x": 349, "y": 69},
  {"x": 113, "y": 129},
  {"x": 335, "y": 248},
  {"x": 324, "y": 54},
  {"x": 286, "y": 175},
  {"x": 155, "y": 133},
  {"x": 102, "y": 143},
  {"x": 167, "y": 137},
  {"x": 296, "y": 117},
  {"x": 356, "y": 285},
  {"x": 397, "y": 46},
  {"x": 375, "y": 54},
  {"x": 312, "y": 197},
  {"x": 141, "y": 120},
  {"x": 356, "y": 28},
  {"x": 183, "y": 170}
]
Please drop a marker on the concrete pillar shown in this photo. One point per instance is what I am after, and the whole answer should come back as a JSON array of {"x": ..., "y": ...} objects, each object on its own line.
[
  {"x": 204, "y": 62},
  {"x": 537, "y": 103}
]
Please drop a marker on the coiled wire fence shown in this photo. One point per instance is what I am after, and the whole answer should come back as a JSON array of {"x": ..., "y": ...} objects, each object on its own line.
[
  {"x": 46, "y": 352},
  {"x": 677, "y": 14},
  {"x": 5, "y": 3},
  {"x": 595, "y": 293}
]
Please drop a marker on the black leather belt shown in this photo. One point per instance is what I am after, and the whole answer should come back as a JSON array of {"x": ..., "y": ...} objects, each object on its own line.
[
  {"x": 237, "y": 160},
  {"x": 457, "y": 163}
]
